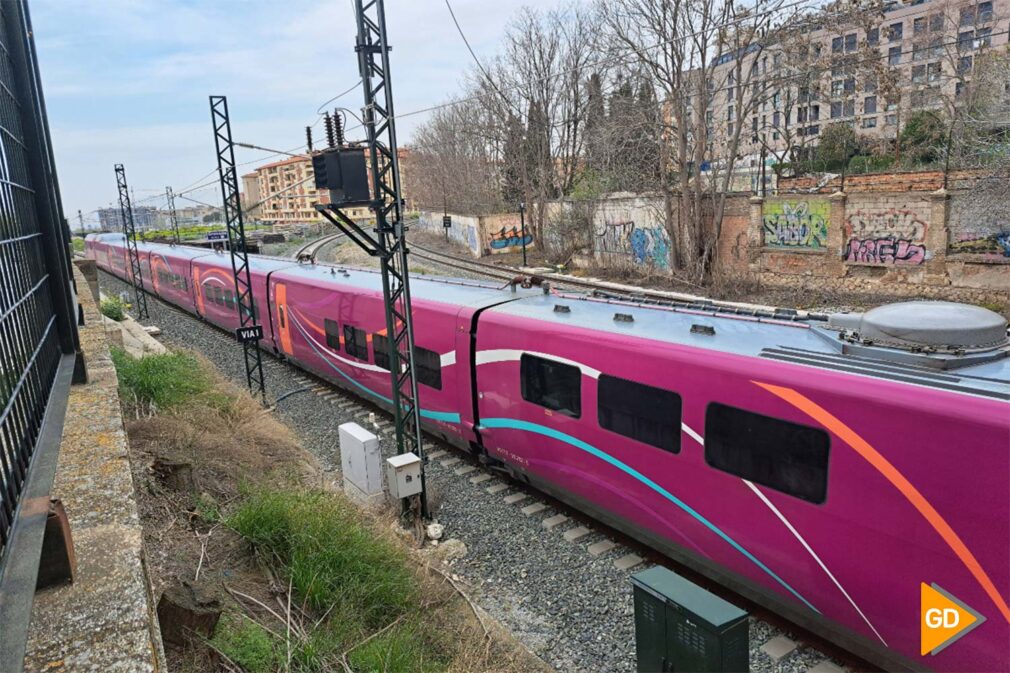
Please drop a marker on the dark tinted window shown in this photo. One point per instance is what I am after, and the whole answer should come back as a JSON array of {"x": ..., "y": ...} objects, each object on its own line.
[
  {"x": 380, "y": 345},
  {"x": 551, "y": 384},
  {"x": 786, "y": 456},
  {"x": 427, "y": 364},
  {"x": 332, "y": 334},
  {"x": 354, "y": 342},
  {"x": 428, "y": 367},
  {"x": 647, "y": 414}
]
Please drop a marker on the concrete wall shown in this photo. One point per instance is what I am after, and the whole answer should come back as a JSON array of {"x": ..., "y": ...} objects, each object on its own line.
[
  {"x": 629, "y": 232},
  {"x": 483, "y": 235}
]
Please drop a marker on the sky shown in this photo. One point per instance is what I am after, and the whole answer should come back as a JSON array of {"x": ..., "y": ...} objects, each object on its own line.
[{"x": 127, "y": 81}]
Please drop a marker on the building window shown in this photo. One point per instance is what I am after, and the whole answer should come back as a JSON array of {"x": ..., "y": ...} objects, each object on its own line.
[
  {"x": 850, "y": 42},
  {"x": 933, "y": 71},
  {"x": 784, "y": 456},
  {"x": 963, "y": 65},
  {"x": 894, "y": 56},
  {"x": 919, "y": 25},
  {"x": 355, "y": 342},
  {"x": 890, "y": 120},
  {"x": 836, "y": 110},
  {"x": 729, "y": 113},
  {"x": 815, "y": 112},
  {"x": 965, "y": 40},
  {"x": 870, "y": 105},
  {"x": 850, "y": 85},
  {"x": 836, "y": 87},
  {"x": 776, "y": 119},
  {"x": 894, "y": 32},
  {"x": 983, "y": 38},
  {"x": 643, "y": 413},
  {"x": 813, "y": 130},
  {"x": 936, "y": 23},
  {"x": 332, "y": 334},
  {"x": 984, "y": 12},
  {"x": 836, "y": 45},
  {"x": 551, "y": 384},
  {"x": 918, "y": 74},
  {"x": 801, "y": 115},
  {"x": 850, "y": 108},
  {"x": 870, "y": 123},
  {"x": 873, "y": 37},
  {"x": 918, "y": 52}
]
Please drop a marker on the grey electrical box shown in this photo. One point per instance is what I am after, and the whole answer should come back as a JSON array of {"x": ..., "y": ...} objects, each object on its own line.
[
  {"x": 403, "y": 475},
  {"x": 680, "y": 626},
  {"x": 361, "y": 464}
]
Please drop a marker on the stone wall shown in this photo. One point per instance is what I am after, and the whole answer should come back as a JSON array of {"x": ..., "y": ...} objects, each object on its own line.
[
  {"x": 895, "y": 243},
  {"x": 629, "y": 231},
  {"x": 481, "y": 235}
]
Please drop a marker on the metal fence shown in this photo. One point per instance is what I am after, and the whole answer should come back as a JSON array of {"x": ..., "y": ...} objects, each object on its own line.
[{"x": 38, "y": 325}]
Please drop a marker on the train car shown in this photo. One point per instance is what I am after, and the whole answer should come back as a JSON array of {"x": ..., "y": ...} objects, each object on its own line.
[
  {"x": 213, "y": 285},
  {"x": 332, "y": 322},
  {"x": 825, "y": 478},
  {"x": 828, "y": 469}
]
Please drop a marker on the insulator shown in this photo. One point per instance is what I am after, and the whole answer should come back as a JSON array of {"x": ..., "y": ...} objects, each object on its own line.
[
  {"x": 338, "y": 127},
  {"x": 308, "y": 137},
  {"x": 328, "y": 123}
]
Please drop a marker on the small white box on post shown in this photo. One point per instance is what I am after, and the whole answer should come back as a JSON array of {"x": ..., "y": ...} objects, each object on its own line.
[
  {"x": 403, "y": 475},
  {"x": 361, "y": 464}
]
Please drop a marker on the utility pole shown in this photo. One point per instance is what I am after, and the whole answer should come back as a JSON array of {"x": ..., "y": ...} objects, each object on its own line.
[
  {"x": 170, "y": 197},
  {"x": 522, "y": 227},
  {"x": 126, "y": 212},
  {"x": 341, "y": 169},
  {"x": 249, "y": 331},
  {"x": 80, "y": 218}
]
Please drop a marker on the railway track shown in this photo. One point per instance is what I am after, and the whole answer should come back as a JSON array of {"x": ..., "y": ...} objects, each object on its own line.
[
  {"x": 618, "y": 292},
  {"x": 308, "y": 252},
  {"x": 528, "y": 554}
]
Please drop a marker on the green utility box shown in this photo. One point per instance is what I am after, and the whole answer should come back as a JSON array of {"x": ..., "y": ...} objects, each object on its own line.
[{"x": 681, "y": 627}]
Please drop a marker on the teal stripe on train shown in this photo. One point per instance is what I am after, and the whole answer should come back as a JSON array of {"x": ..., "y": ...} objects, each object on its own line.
[
  {"x": 445, "y": 416},
  {"x": 513, "y": 424}
]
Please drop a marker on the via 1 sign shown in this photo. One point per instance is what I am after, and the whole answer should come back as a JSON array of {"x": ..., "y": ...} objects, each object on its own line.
[
  {"x": 249, "y": 333},
  {"x": 447, "y": 221},
  {"x": 217, "y": 235}
]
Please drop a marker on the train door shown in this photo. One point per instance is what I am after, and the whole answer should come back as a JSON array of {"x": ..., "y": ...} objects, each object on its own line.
[
  {"x": 281, "y": 316},
  {"x": 201, "y": 310}
]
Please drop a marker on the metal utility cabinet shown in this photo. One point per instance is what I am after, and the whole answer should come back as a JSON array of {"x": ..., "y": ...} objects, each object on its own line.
[{"x": 680, "y": 626}]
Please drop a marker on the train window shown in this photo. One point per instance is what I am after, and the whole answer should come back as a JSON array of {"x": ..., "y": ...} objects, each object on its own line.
[
  {"x": 551, "y": 384},
  {"x": 332, "y": 334},
  {"x": 229, "y": 298},
  {"x": 786, "y": 456},
  {"x": 428, "y": 365},
  {"x": 354, "y": 342},
  {"x": 380, "y": 346},
  {"x": 644, "y": 413}
]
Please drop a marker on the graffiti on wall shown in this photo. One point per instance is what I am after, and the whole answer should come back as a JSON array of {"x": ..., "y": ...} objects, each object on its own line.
[
  {"x": 796, "y": 224},
  {"x": 980, "y": 222},
  {"x": 887, "y": 236},
  {"x": 644, "y": 245},
  {"x": 509, "y": 239}
]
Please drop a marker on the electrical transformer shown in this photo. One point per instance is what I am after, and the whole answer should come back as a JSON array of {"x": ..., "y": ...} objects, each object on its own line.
[
  {"x": 680, "y": 626},
  {"x": 342, "y": 171}
]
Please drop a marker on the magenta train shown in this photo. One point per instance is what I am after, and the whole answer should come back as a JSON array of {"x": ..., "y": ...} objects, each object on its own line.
[{"x": 824, "y": 468}]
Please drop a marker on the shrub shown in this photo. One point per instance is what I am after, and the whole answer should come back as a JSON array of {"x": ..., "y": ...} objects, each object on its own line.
[
  {"x": 328, "y": 553},
  {"x": 160, "y": 381},
  {"x": 113, "y": 308}
]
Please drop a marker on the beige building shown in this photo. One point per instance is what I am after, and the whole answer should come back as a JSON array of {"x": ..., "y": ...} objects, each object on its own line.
[
  {"x": 251, "y": 195},
  {"x": 288, "y": 191},
  {"x": 916, "y": 55}
]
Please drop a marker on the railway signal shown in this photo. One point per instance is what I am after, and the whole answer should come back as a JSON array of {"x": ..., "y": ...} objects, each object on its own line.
[
  {"x": 249, "y": 332},
  {"x": 342, "y": 170},
  {"x": 126, "y": 212}
]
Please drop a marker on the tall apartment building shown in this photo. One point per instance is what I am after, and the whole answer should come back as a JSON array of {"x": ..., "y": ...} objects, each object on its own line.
[
  {"x": 289, "y": 194},
  {"x": 915, "y": 55},
  {"x": 144, "y": 218}
]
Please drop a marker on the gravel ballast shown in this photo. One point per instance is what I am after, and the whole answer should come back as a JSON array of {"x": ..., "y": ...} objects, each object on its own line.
[{"x": 572, "y": 609}]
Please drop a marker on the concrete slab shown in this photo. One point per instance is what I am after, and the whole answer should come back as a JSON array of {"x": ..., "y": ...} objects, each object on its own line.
[
  {"x": 496, "y": 488},
  {"x": 449, "y": 462},
  {"x": 627, "y": 562},
  {"x": 778, "y": 647},
  {"x": 601, "y": 547},
  {"x": 826, "y": 667},
  {"x": 514, "y": 498},
  {"x": 554, "y": 521},
  {"x": 466, "y": 469},
  {"x": 576, "y": 533},
  {"x": 535, "y": 508},
  {"x": 434, "y": 455},
  {"x": 480, "y": 478}
]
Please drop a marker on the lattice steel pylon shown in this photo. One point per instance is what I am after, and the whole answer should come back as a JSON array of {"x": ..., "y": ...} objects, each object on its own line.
[
  {"x": 136, "y": 275},
  {"x": 170, "y": 197},
  {"x": 249, "y": 332},
  {"x": 389, "y": 244}
]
